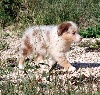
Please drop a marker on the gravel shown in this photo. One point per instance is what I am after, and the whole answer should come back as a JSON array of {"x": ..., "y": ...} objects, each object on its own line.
[{"x": 87, "y": 63}]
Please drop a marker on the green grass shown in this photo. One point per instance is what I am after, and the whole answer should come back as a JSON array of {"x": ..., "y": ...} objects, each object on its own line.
[
  {"x": 22, "y": 14},
  {"x": 91, "y": 32},
  {"x": 83, "y": 12},
  {"x": 91, "y": 46}
]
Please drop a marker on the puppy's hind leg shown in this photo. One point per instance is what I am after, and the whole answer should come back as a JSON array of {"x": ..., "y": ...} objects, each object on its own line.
[
  {"x": 26, "y": 49},
  {"x": 21, "y": 61},
  {"x": 39, "y": 59},
  {"x": 23, "y": 55}
]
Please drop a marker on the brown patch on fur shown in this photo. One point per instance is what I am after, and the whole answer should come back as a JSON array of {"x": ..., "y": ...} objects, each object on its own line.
[
  {"x": 27, "y": 48},
  {"x": 27, "y": 43},
  {"x": 25, "y": 51},
  {"x": 63, "y": 28},
  {"x": 43, "y": 46}
]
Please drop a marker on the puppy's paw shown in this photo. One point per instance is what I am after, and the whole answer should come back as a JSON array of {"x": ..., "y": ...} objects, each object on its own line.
[
  {"x": 21, "y": 66},
  {"x": 71, "y": 69}
]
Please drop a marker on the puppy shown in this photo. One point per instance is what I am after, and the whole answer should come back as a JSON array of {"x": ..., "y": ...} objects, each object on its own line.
[{"x": 52, "y": 40}]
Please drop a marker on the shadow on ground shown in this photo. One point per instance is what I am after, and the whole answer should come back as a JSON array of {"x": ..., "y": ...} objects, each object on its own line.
[
  {"x": 79, "y": 65},
  {"x": 85, "y": 65}
]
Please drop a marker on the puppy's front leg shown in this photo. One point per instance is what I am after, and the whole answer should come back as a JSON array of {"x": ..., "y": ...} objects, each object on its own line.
[
  {"x": 67, "y": 65},
  {"x": 64, "y": 62}
]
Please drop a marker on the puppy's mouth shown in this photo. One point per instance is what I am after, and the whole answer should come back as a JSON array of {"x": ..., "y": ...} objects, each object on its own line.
[
  {"x": 77, "y": 41},
  {"x": 80, "y": 39}
]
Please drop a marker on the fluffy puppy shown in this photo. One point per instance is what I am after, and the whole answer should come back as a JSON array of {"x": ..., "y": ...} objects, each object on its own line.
[{"x": 52, "y": 40}]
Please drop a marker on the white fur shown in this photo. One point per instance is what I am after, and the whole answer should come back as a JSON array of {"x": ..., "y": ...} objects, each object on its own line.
[{"x": 45, "y": 40}]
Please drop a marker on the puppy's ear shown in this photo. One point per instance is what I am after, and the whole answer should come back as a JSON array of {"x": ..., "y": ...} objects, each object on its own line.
[{"x": 62, "y": 28}]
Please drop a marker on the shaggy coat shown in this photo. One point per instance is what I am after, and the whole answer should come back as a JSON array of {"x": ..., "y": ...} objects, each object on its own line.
[{"x": 52, "y": 40}]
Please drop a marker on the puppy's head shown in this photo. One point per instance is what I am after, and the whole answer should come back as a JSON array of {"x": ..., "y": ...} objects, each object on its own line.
[{"x": 69, "y": 32}]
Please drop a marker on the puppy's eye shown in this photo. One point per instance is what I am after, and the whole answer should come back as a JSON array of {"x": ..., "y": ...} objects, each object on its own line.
[{"x": 73, "y": 33}]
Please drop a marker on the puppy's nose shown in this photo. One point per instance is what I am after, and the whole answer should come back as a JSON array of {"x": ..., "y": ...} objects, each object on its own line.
[{"x": 81, "y": 39}]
